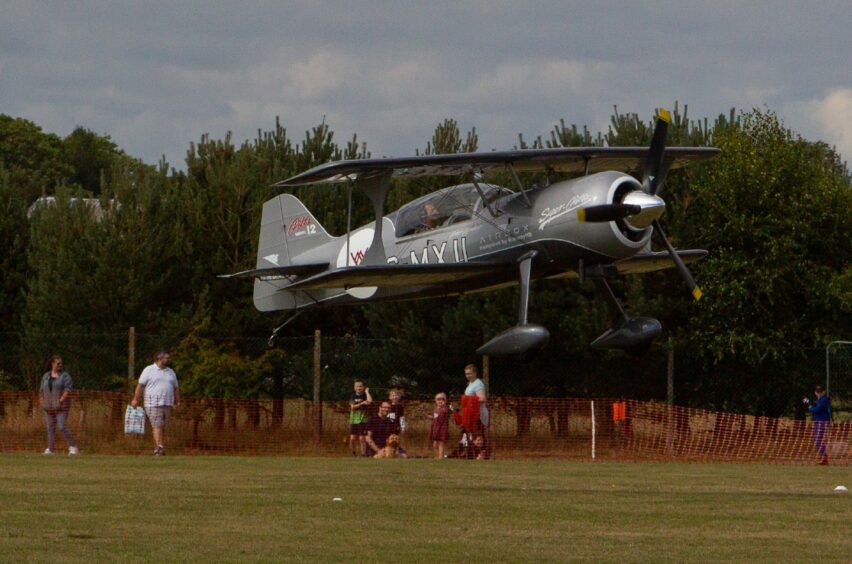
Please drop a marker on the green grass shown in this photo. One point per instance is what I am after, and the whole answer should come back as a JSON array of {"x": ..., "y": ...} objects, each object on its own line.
[{"x": 122, "y": 508}]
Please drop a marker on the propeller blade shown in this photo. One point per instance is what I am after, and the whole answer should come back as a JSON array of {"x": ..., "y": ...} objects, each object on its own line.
[
  {"x": 655, "y": 170},
  {"x": 684, "y": 272},
  {"x": 607, "y": 212}
]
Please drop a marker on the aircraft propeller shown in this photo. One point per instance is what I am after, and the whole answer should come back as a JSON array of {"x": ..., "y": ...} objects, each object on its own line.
[
  {"x": 681, "y": 266},
  {"x": 655, "y": 168},
  {"x": 653, "y": 178},
  {"x": 607, "y": 212}
]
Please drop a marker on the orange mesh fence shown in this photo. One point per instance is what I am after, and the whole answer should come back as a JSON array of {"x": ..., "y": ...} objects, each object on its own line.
[{"x": 567, "y": 428}]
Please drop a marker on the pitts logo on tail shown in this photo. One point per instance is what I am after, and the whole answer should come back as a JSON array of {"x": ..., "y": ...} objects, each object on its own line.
[{"x": 301, "y": 226}]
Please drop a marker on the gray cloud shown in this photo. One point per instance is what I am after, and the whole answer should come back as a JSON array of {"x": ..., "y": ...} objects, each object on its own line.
[{"x": 157, "y": 75}]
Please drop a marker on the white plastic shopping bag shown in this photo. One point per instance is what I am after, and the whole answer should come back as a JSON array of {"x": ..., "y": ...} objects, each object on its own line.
[{"x": 134, "y": 421}]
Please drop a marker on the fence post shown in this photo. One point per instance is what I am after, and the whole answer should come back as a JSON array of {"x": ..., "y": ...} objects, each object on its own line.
[
  {"x": 593, "y": 429},
  {"x": 670, "y": 400},
  {"x": 317, "y": 372},
  {"x": 131, "y": 353},
  {"x": 486, "y": 372}
]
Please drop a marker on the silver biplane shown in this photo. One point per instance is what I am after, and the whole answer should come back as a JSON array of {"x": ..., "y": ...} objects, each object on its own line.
[{"x": 477, "y": 236}]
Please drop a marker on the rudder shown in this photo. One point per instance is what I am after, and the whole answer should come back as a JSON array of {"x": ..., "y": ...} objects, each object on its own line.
[{"x": 287, "y": 230}]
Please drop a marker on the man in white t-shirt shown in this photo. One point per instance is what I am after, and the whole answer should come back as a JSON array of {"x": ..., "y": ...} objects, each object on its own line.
[{"x": 161, "y": 394}]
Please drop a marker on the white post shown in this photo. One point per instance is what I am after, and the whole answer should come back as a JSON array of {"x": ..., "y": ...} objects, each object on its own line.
[
  {"x": 670, "y": 401},
  {"x": 827, "y": 363},
  {"x": 593, "y": 429}
]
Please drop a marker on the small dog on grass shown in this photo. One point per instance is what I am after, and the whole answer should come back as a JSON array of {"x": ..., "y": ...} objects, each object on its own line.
[{"x": 391, "y": 448}]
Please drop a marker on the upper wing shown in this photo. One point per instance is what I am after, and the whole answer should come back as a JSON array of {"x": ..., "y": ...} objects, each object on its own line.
[
  {"x": 570, "y": 159},
  {"x": 396, "y": 275}
]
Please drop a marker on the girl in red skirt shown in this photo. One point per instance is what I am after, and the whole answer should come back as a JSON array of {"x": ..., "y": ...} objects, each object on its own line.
[{"x": 440, "y": 430}]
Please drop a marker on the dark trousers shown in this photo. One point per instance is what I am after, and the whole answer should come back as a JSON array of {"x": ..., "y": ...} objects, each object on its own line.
[{"x": 820, "y": 430}]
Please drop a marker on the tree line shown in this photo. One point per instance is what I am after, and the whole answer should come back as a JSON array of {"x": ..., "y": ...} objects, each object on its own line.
[{"x": 773, "y": 211}]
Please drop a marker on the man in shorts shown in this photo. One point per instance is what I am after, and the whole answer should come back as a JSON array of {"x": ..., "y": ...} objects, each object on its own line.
[{"x": 161, "y": 394}]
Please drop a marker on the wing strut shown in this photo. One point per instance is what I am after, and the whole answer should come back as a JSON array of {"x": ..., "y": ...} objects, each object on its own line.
[
  {"x": 474, "y": 179},
  {"x": 376, "y": 188},
  {"x": 518, "y": 183},
  {"x": 484, "y": 199},
  {"x": 349, "y": 221}
]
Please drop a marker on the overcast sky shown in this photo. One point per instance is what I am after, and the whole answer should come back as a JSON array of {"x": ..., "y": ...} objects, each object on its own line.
[{"x": 155, "y": 76}]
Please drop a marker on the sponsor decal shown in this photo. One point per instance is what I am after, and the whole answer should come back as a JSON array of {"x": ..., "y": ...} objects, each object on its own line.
[
  {"x": 300, "y": 226},
  {"x": 504, "y": 236},
  {"x": 549, "y": 214},
  {"x": 359, "y": 244}
]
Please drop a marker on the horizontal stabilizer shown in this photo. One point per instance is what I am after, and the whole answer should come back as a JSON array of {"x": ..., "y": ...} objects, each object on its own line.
[
  {"x": 397, "y": 275},
  {"x": 290, "y": 270},
  {"x": 649, "y": 262}
]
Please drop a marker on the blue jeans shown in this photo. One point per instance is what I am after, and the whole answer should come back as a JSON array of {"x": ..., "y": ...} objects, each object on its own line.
[
  {"x": 820, "y": 427},
  {"x": 56, "y": 419}
]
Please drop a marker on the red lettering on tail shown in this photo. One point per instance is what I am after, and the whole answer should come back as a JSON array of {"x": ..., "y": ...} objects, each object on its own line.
[{"x": 299, "y": 224}]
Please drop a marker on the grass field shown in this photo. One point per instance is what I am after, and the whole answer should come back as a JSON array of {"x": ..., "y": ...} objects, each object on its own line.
[{"x": 120, "y": 508}]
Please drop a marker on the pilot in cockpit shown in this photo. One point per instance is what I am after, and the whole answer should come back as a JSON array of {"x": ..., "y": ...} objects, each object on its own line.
[{"x": 429, "y": 218}]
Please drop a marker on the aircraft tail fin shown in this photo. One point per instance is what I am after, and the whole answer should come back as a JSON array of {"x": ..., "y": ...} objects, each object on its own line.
[{"x": 287, "y": 230}]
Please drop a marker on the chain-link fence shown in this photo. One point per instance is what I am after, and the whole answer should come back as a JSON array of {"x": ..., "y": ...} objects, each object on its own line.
[
  {"x": 595, "y": 429},
  {"x": 315, "y": 367}
]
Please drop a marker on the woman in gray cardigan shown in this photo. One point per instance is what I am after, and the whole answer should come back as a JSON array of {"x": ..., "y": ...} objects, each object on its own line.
[{"x": 55, "y": 397}]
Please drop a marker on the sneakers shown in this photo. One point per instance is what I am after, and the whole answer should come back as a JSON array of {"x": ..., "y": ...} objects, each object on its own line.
[
  {"x": 160, "y": 451},
  {"x": 823, "y": 461},
  {"x": 72, "y": 451}
]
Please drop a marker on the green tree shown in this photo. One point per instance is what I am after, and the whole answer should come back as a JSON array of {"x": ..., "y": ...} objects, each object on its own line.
[
  {"x": 775, "y": 212},
  {"x": 13, "y": 233},
  {"x": 33, "y": 160},
  {"x": 92, "y": 157},
  {"x": 99, "y": 266},
  {"x": 447, "y": 140},
  {"x": 13, "y": 265}
]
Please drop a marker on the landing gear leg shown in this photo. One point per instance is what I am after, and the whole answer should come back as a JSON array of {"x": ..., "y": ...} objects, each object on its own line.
[
  {"x": 524, "y": 336},
  {"x": 615, "y": 307},
  {"x": 633, "y": 335}
]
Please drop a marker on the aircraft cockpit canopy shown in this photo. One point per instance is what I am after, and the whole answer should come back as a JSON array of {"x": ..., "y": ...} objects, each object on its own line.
[{"x": 445, "y": 207}]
